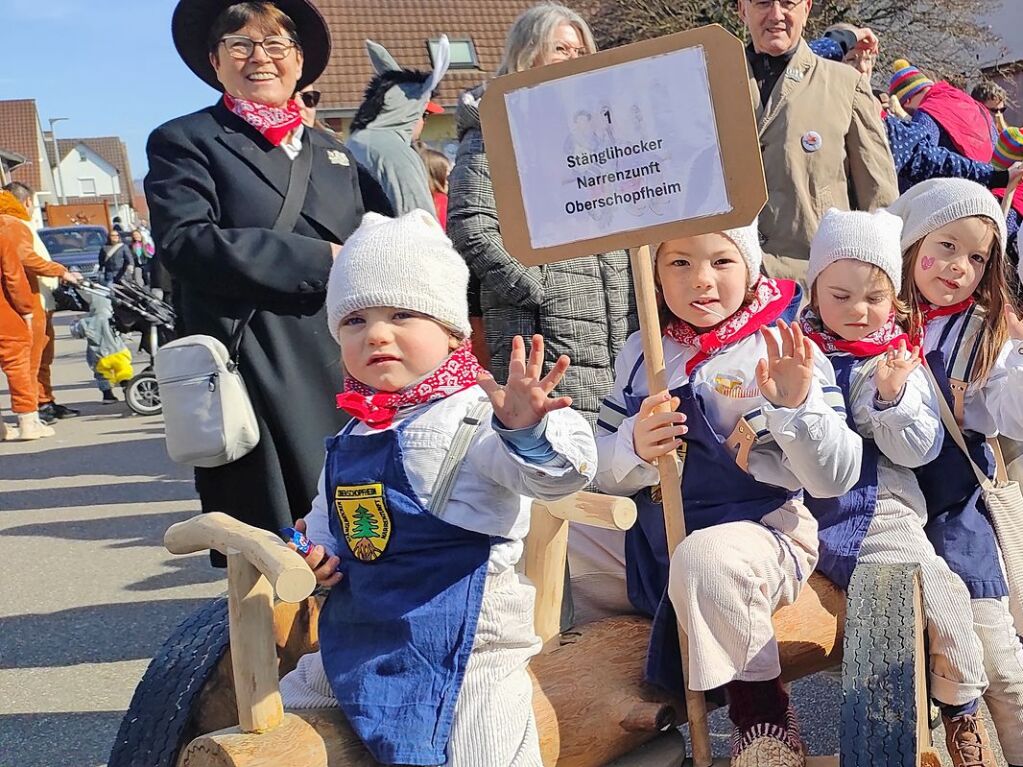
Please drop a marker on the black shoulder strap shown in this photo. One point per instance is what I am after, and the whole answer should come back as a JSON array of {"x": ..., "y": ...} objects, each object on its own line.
[{"x": 298, "y": 184}]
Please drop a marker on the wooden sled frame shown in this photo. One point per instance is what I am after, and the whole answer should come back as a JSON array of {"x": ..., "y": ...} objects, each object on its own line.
[{"x": 260, "y": 566}]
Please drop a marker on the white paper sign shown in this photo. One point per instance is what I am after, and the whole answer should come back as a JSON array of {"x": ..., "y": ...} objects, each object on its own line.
[{"x": 617, "y": 149}]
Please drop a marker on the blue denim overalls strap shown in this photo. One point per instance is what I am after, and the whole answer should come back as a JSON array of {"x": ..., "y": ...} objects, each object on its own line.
[
  {"x": 957, "y": 520},
  {"x": 397, "y": 631},
  {"x": 842, "y": 523},
  {"x": 714, "y": 491}
]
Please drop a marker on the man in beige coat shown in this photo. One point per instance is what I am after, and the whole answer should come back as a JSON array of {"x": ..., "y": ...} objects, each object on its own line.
[{"x": 820, "y": 130}]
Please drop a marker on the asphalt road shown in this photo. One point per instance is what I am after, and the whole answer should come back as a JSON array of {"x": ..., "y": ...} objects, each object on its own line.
[{"x": 88, "y": 594}]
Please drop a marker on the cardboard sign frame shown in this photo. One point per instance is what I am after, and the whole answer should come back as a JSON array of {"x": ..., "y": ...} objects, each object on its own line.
[{"x": 737, "y": 137}]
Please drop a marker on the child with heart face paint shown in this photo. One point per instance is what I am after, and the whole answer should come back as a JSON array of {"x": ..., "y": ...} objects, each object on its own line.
[
  {"x": 855, "y": 274},
  {"x": 955, "y": 286}
]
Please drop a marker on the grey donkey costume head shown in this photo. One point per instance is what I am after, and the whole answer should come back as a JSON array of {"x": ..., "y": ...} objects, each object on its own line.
[{"x": 396, "y": 97}]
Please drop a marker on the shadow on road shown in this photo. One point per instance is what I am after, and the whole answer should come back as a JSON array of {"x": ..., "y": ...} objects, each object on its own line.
[
  {"x": 82, "y": 739},
  {"x": 183, "y": 572},
  {"x": 94, "y": 634},
  {"x": 127, "y": 458},
  {"x": 148, "y": 491},
  {"x": 124, "y": 532}
]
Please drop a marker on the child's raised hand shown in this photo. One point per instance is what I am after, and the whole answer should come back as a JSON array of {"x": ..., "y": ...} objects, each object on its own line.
[
  {"x": 784, "y": 377},
  {"x": 324, "y": 567},
  {"x": 524, "y": 400},
  {"x": 893, "y": 370},
  {"x": 657, "y": 434},
  {"x": 1014, "y": 323}
]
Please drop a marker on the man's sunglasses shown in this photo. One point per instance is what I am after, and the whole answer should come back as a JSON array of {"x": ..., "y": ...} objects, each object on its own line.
[{"x": 310, "y": 98}]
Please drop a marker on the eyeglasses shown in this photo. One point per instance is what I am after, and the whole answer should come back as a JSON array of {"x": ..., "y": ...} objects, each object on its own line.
[
  {"x": 997, "y": 110},
  {"x": 310, "y": 98},
  {"x": 786, "y": 5},
  {"x": 241, "y": 47},
  {"x": 569, "y": 51}
]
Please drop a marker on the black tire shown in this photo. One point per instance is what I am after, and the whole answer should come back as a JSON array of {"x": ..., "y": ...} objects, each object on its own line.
[
  {"x": 157, "y": 724},
  {"x": 884, "y": 679},
  {"x": 143, "y": 394}
]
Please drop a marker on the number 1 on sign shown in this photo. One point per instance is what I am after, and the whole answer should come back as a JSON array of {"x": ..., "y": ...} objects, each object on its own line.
[{"x": 607, "y": 114}]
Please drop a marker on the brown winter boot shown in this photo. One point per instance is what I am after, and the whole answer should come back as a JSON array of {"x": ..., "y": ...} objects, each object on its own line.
[
  {"x": 30, "y": 427},
  {"x": 768, "y": 745},
  {"x": 967, "y": 741}
]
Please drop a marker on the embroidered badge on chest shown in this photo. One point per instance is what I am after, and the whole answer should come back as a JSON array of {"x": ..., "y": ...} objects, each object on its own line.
[
  {"x": 734, "y": 387},
  {"x": 365, "y": 522}
]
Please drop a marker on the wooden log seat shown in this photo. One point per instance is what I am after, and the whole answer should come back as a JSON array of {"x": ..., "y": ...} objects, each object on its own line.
[{"x": 590, "y": 702}]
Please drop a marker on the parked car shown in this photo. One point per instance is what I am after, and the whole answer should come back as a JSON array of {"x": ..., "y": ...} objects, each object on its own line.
[{"x": 76, "y": 247}]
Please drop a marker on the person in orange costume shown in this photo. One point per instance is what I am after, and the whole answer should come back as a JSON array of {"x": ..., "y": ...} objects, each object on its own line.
[
  {"x": 17, "y": 303},
  {"x": 18, "y": 237}
]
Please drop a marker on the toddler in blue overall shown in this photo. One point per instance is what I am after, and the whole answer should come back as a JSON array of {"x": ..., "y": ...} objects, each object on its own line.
[
  {"x": 422, "y": 509},
  {"x": 855, "y": 317},
  {"x": 753, "y": 408},
  {"x": 954, "y": 283}
]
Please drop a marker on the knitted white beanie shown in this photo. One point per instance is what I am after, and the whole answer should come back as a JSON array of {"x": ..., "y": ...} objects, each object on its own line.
[
  {"x": 747, "y": 240},
  {"x": 405, "y": 262},
  {"x": 932, "y": 204},
  {"x": 869, "y": 237}
]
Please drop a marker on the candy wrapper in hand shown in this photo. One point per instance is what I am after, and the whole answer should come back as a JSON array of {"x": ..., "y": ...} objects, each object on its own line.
[{"x": 302, "y": 544}]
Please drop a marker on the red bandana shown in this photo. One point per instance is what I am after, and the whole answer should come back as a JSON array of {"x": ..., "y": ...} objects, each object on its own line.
[
  {"x": 770, "y": 302},
  {"x": 378, "y": 409},
  {"x": 881, "y": 340},
  {"x": 273, "y": 122},
  {"x": 931, "y": 312}
]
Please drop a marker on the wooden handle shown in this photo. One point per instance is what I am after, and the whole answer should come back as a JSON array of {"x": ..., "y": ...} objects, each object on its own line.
[
  {"x": 1010, "y": 192},
  {"x": 290, "y": 576},
  {"x": 669, "y": 470},
  {"x": 611, "y": 512}
]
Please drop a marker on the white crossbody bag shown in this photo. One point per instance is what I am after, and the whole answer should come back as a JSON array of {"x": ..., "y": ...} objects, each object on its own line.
[
  {"x": 1004, "y": 502},
  {"x": 208, "y": 416}
]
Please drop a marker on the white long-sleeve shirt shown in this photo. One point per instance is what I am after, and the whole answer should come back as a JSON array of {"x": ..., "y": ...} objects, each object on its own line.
[
  {"x": 908, "y": 432},
  {"x": 994, "y": 406},
  {"x": 494, "y": 489},
  {"x": 807, "y": 447}
]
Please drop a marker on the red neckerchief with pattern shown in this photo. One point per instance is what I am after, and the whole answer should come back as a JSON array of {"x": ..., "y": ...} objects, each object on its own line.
[
  {"x": 275, "y": 123},
  {"x": 932, "y": 312},
  {"x": 377, "y": 409},
  {"x": 772, "y": 297},
  {"x": 881, "y": 340}
]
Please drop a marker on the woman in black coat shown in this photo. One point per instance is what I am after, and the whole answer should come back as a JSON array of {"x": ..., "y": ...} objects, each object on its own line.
[{"x": 216, "y": 184}]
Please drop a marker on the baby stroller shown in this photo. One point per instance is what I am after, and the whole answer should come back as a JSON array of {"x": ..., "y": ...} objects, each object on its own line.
[{"x": 136, "y": 308}]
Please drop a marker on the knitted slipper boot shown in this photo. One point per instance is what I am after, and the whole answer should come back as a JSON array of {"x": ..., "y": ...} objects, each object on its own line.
[{"x": 768, "y": 745}]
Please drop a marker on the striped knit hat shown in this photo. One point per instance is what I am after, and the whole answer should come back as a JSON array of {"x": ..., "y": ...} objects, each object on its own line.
[
  {"x": 1009, "y": 149},
  {"x": 907, "y": 80}
]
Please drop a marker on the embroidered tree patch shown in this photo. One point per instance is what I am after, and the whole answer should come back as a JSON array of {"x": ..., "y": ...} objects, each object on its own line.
[{"x": 365, "y": 522}]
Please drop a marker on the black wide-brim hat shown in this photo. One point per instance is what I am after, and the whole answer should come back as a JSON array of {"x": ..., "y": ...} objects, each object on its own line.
[{"x": 193, "y": 19}]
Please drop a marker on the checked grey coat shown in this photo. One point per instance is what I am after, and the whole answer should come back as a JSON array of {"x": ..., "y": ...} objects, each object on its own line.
[{"x": 584, "y": 307}]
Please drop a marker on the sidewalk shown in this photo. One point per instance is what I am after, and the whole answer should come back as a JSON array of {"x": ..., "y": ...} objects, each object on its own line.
[{"x": 88, "y": 593}]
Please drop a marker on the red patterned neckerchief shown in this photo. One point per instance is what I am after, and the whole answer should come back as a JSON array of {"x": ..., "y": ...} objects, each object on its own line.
[
  {"x": 930, "y": 312},
  {"x": 772, "y": 297},
  {"x": 881, "y": 340},
  {"x": 377, "y": 409},
  {"x": 275, "y": 123}
]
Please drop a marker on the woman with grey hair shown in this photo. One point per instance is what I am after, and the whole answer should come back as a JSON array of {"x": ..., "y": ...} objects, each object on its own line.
[
  {"x": 584, "y": 307},
  {"x": 586, "y": 304}
]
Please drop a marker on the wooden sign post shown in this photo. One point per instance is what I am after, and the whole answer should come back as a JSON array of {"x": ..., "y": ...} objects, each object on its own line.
[{"x": 633, "y": 146}]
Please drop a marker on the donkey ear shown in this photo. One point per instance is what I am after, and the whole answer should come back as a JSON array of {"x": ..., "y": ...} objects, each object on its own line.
[
  {"x": 381, "y": 60},
  {"x": 440, "y": 67}
]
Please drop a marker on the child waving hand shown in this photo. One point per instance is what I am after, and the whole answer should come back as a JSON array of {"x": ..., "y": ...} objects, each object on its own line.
[{"x": 423, "y": 505}]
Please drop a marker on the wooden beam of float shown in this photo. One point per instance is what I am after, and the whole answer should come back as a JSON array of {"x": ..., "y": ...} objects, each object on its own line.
[{"x": 636, "y": 145}]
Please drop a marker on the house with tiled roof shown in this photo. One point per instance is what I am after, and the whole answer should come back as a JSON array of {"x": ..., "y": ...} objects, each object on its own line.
[
  {"x": 409, "y": 29},
  {"x": 90, "y": 170},
  {"x": 22, "y": 142}
]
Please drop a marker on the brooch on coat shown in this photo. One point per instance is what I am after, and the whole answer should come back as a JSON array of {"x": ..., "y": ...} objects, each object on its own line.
[{"x": 337, "y": 157}]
